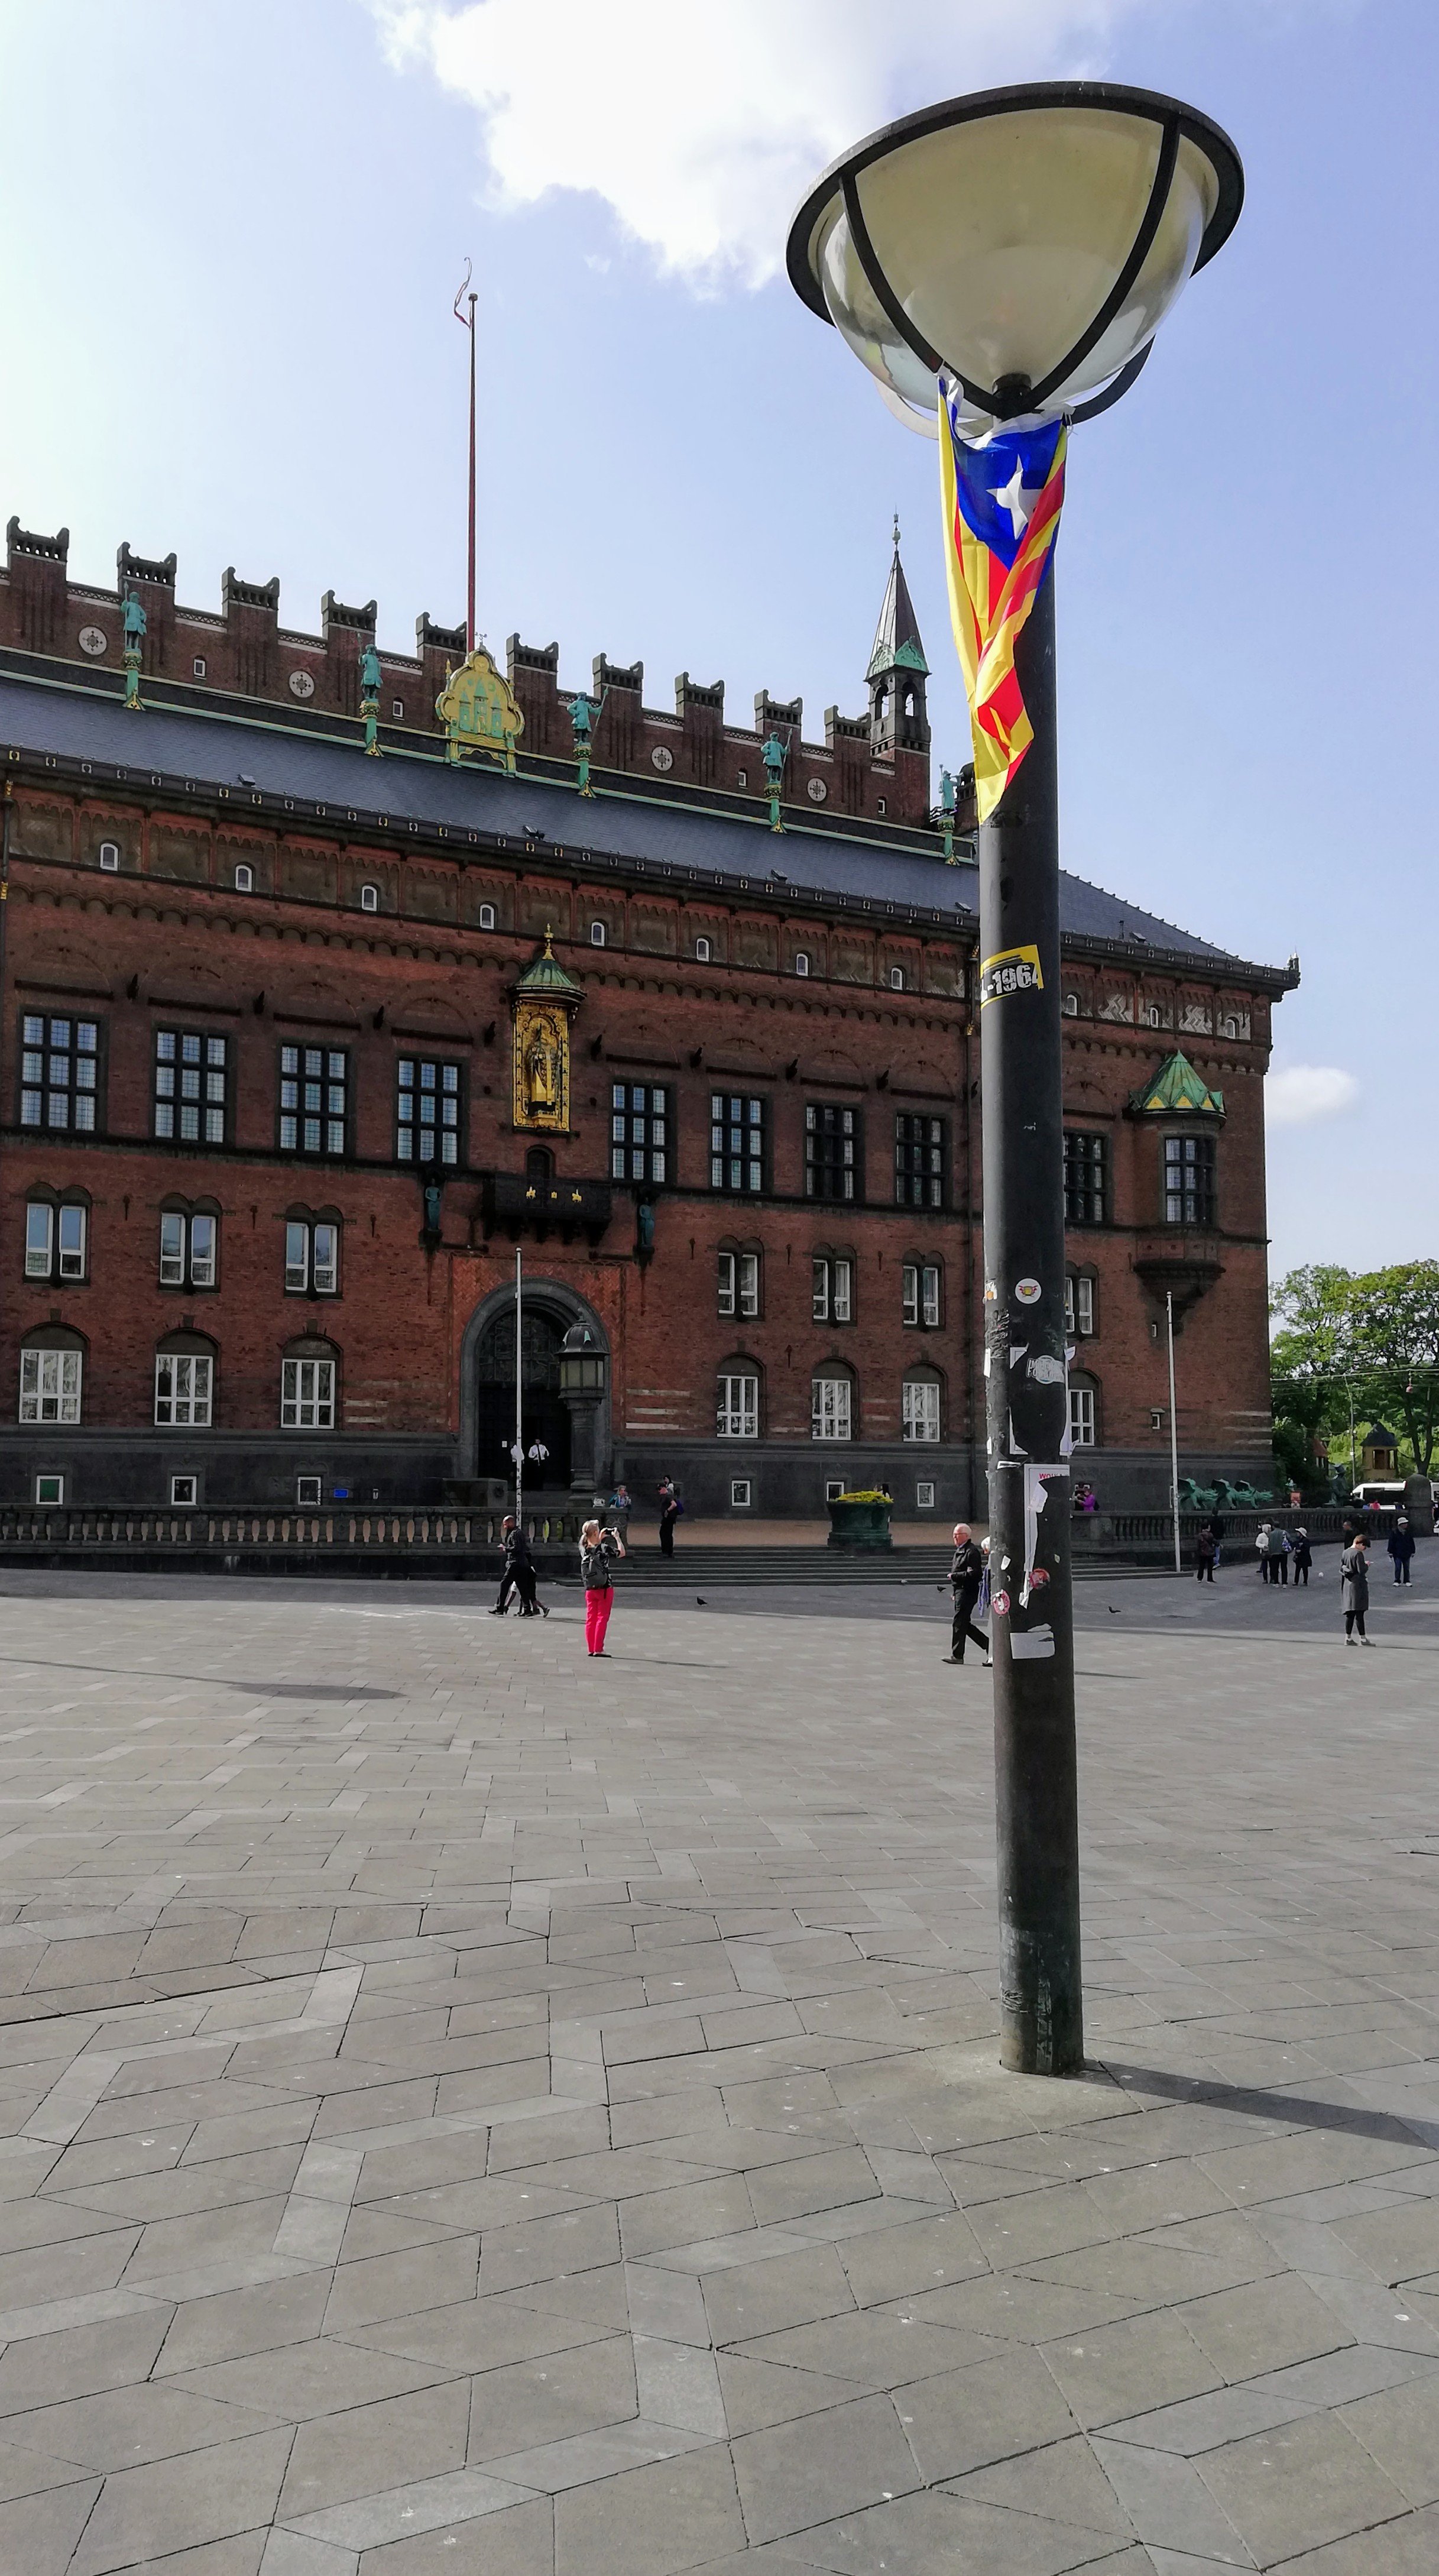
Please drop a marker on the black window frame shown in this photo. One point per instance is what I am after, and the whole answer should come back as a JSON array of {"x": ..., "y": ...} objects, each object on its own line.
[
  {"x": 207, "y": 1105},
  {"x": 297, "y": 1112},
  {"x": 916, "y": 1187},
  {"x": 633, "y": 1118},
  {"x": 446, "y": 1089},
  {"x": 737, "y": 1120},
  {"x": 1199, "y": 1201},
  {"x": 838, "y": 1128},
  {"x": 81, "y": 1048},
  {"x": 1086, "y": 1152}
]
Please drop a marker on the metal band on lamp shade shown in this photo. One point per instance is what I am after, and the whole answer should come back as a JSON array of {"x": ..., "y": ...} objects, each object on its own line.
[{"x": 1027, "y": 242}]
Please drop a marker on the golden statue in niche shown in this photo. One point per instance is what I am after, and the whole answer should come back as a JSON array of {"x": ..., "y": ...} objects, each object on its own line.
[
  {"x": 479, "y": 710},
  {"x": 545, "y": 1000}
]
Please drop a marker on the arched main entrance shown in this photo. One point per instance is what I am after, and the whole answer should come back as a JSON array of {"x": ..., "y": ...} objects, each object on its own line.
[
  {"x": 546, "y": 1416},
  {"x": 487, "y": 1387}
]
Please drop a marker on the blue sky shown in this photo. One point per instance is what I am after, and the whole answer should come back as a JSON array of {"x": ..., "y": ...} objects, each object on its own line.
[{"x": 231, "y": 239}]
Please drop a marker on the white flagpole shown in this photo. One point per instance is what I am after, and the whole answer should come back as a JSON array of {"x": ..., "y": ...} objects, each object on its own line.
[
  {"x": 519, "y": 1389},
  {"x": 1173, "y": 1433}
]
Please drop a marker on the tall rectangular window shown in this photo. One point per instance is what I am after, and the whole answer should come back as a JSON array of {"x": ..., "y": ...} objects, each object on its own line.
[
  {"x": 183, "y": 1386},
  {"x": 312, "y": 1257},
  {"x": 427, "y": 1111},
  {"x": 307, "y": 1395},
  {"x": 189, "y": 1247},
  {"x": 1079, "y": 1305},
  {"x": 314, "y": 1099},
  {"x": 831, "y": 1139},
  {"x": 55, "y": 1240},
  {"x": 1085, "y": 1192},
  {"x": 921, "y": 1409},
  {"x": 920, "y": 1289},
  {"x": 832, "y": 1291},
  {"x": 190, "y": 1071},
  {"x": 737, "y": 1407},
  {"x": 830, "y": 1408},
  {"x": 59, "y": 1072},
  {"x": 1189, "y": 1180},
  {"x": 736, "y": 1143},
  {"x": 738, "y": 1283},
  {"x": 918, "y": 1161},
  {"x": 639, "y": 1132},
  {"x": 50, "y": 1386},
  {"x": 1081, "y": 1416}
]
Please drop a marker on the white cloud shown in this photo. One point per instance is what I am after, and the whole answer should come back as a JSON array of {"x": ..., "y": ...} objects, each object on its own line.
[
  {"x": 700, "y": 127},
  {"x": 1301, "y": 1095}
]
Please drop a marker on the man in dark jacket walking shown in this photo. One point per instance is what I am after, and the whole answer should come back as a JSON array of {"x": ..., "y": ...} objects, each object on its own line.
[
  {"x": 1401, "y": 1549},
  {"x": 965, "y": 1577},
  {"x": 519, "y": 1571}
]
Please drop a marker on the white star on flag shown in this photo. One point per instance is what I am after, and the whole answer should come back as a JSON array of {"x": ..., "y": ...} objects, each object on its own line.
[{"x": 1010, "y": 497}]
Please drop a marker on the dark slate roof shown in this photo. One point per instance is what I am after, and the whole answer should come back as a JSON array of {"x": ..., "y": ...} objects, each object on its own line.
[{"x": 212, "y": 743}]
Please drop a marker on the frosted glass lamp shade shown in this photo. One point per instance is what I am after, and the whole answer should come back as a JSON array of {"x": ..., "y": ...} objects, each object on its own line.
[{"x": 1026, "y": 241}]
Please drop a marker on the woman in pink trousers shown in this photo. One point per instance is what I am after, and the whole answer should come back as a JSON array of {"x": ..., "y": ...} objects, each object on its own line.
[{"x": 598, "y": 1550}]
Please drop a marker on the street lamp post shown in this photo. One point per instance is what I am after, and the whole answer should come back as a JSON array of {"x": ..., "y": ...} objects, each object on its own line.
[{"x": 1001, "y": 263}]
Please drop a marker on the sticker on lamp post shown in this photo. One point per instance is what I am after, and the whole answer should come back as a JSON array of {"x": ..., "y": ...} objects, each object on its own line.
[{"x": 1010, "y": 970}]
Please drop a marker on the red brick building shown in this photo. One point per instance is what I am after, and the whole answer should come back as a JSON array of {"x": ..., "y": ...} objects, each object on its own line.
[{"x": 300, "y": 1040}]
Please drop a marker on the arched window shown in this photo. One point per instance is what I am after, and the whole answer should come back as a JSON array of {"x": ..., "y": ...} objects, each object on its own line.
[
  {"x": 52, "y": 1369},
  {"x": 702, "y": 951},
  {"x": 801, "y": 961},
  {"x": 309, "y": 1385},
  {"x": 921, "y": 1287},
  {"x": 1071, "y": 1006},
  {"x": 1081, "y": 1304},
  {"x": 896, "y": 979},
  {"x": 597, "y": 934},
  {"x": 244, "y": 877},
  {"x": 737, "y": 1400},
  {"x": 739, "y": 1280},
  {"x": 57, "y": 1234},
  {"x": 312, "y": 1252},
  {"x": 832, "y": 1287},
  {"x": 921, "y": 1404},
  {"x": 1084, "y": 1420},
  {"x": 487, "y": 916},
  {"x": 184, "y": 1382},
  {"x": 189, "y": 1243},
  {"x": 539, "y": 1164},
  {"x": 369, "y": 898},
  {"x": 832, "y": 1404},
  {"x": 110, "y": 856}
]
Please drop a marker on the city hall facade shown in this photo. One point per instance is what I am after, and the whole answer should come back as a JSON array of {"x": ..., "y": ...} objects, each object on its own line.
[{"x": 334, "y": 977}]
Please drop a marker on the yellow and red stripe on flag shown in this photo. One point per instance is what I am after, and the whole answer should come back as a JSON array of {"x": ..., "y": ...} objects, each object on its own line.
[{"x": 1002, "y": 498}]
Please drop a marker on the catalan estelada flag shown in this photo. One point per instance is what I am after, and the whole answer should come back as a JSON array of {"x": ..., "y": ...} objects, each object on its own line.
[{"x": 1002, "y": 500}]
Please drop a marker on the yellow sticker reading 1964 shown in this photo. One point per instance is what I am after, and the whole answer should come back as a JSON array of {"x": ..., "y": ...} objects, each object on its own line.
[{"x": 1014, "y": 970}]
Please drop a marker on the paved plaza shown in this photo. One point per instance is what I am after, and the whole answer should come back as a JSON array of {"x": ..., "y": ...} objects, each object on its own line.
[{"x": 466, "y": 2114}]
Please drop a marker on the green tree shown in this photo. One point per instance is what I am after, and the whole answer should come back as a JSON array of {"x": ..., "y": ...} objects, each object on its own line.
[
  {"x": 1372, "y": 1335},
  {"x": 1394, "y": 1337},
  {"x": 1310, "y": 1361}
]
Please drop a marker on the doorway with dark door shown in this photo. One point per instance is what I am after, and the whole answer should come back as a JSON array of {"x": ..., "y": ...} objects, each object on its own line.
[{"x": 546, "y": 1416}]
